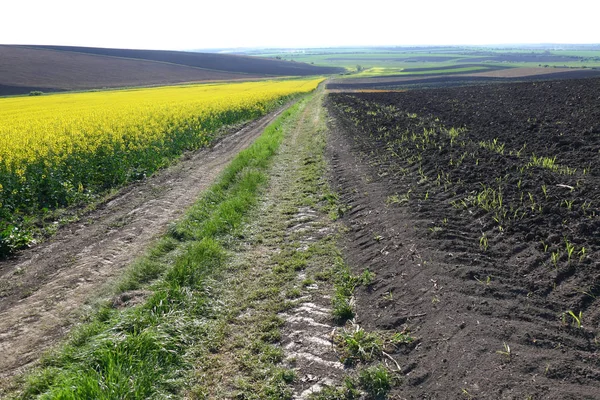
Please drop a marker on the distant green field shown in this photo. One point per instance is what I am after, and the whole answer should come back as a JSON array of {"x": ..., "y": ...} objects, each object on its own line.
[
  {"x": 374, "y": 61},
  {"x": 582, "y": 53}
]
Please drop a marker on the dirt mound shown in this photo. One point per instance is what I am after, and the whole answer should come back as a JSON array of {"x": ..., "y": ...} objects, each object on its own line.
[{"x": 478, "y": 210}]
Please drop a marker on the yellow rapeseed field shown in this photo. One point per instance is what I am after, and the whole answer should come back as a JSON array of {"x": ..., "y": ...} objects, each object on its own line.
[{"x": 54, "y": 149}]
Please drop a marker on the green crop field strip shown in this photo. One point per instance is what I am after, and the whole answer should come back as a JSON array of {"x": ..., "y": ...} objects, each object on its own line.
[{"x": 390, "y": 61}]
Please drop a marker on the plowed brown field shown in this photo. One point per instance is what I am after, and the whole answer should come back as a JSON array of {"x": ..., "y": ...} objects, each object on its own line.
[{"x": 478, "y": 210}]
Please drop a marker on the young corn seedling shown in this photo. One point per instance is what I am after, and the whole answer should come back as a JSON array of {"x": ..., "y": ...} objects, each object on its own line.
[
  {"x": 575, "y": 318},
  {"x": 506, "y": 352},
  {"x": 485, "y": 282},
  {"x": 544, "y": 162},
  {"x": 587, "y": 293},
  {"x": 555, "y": 258},
  {"x": 585, "y": 206},
  {"x": 532, "y": 200},
  {"x": 545, "y": 191},
  {"x": 483, "y": 242},
  {"x": 568, "y": 204},
  {"x": 497, "y": 219},
  {"x": 570, "y": 247},
  {"x": 582, "y": 253}
]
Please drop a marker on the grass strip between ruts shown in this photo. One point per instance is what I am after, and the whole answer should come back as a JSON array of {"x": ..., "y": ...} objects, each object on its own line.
[{"x": 144, "y": 351}]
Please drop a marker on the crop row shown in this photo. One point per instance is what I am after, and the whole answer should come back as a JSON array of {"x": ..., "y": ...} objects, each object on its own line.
[
  {"x": 507, "y": 190},
  {"x": 62, "y": 149}
]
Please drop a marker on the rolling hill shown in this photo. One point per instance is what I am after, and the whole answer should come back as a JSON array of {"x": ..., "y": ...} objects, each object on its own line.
[{"x": 59, "y": 68}]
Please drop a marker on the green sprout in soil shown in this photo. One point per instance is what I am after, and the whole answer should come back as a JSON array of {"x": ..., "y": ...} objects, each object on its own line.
[
  {"x": 493, "y": 145},
  {"x": 435, "y": 229},
  {"x": 483, "y": 242},
  {"x": 582, "y": 253},
  {"x": 586, "y": 206},
  {"x": 485, "y": 282},
  {"x": 532, "y": 200},
  {"x": 367, "y": 277},
  {"x": 506, "y": 352},
  {"x": 466, "y": 394},
  {"x": 543, "y": 162},
  {"x": 555, "y": 257},
  {"x": 570, "y": 247},
  {"x": 392, "y": 199},
  {"x": 568, "y": 204},
  {"x": 521, "y": 150},
  {"x": 575, "y": 318},
  {"x": 587, "y": 293}
]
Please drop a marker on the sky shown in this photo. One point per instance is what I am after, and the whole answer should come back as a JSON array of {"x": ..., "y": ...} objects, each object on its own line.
[{"x": 186, "y": 25}]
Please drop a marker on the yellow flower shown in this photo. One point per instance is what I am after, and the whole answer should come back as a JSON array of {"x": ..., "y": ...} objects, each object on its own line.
[{"x": 82, "y": 140}]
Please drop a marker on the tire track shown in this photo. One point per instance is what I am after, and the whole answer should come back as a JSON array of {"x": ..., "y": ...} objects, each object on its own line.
[{"x": 45, "y": 289}]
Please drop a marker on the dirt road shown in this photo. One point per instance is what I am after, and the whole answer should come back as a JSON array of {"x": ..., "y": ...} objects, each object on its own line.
[{"x": 43, "y": 290}]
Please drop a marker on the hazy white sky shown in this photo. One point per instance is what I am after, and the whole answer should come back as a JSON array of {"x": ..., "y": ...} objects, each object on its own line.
[{"x": 179, "y": 24}]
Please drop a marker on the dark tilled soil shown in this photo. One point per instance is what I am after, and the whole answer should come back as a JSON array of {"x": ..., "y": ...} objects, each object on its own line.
[
  {"x": 399, "y": 59},
  {"x": 60, "y": 68},
  {"x": 479, "y": 288},
  {"x": 211, "y": 61},
  {"x": 457, "y": 66},
  {"x": 23, "y": 70},
  {"x": 518, "y": 58},
  {"x": 491, "y": 76}
]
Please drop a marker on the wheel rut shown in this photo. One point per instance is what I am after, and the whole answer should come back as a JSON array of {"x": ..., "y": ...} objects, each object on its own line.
[{"x": 44, "y": 290}]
